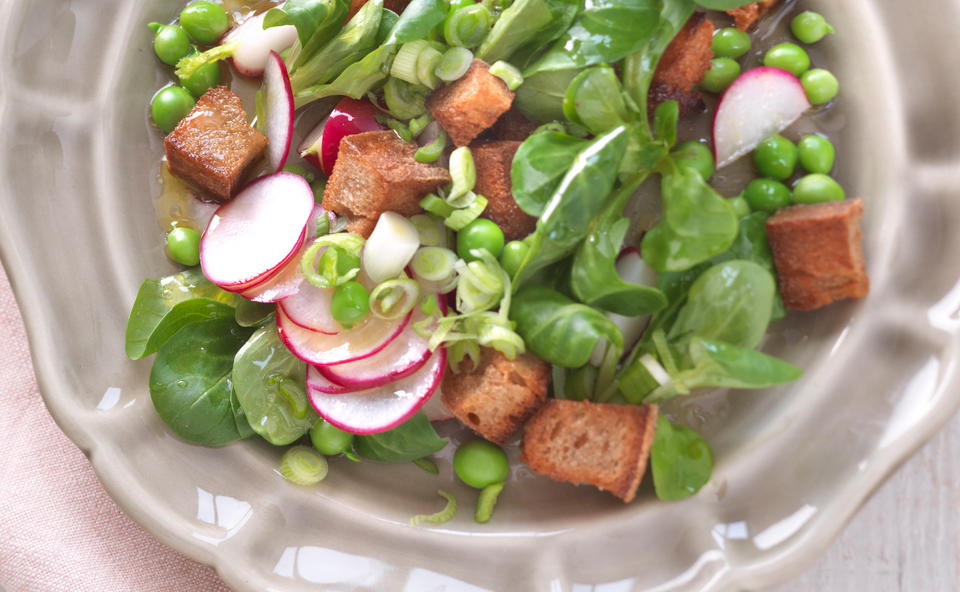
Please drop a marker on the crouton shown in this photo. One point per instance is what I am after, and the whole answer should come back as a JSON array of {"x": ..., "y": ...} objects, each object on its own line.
[
  {"x": 513, "y": 125},
  {"x": 471, "y": 104},
  {"x": 818, "y": 253},
  {"x": 496, "y": 397},
  {"x": 214, "y": 145},
  {"x": 746, "y": 17},
  {"x": 375, "y": 173},
  {"x": 683, "y": 65},
  {"x": 493, "y": 161},
  {"x": 603, "y": 444}
]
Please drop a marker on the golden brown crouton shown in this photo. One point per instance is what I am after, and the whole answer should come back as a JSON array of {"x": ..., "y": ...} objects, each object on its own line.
[
  {"x": 683, "y": 65},
  {"x": 818, "y": 253},
  {"x": 513, "y": 125},
  {"x": 214, "y": 145},
  {"x": 602, "y": 444},
  {"x": 375, "y": 173},
  {"x": 496, "y": 397},
  {"x": 471, "y": 104},
  {"x": 493, "y": 161},
  {"x": 747, "y": 16}
]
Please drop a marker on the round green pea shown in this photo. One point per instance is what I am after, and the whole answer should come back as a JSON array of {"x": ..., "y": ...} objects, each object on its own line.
[
  {"x": 820, "y": 85},
  {"x": 766, "y": 195},
  {"x": 203, "y": 79},
  {"x": 183, "y": 246},
  {"x": 697, "y": 156},
  {"x": 479, "y": 463},
  {"x": 169, "y": 106},
  {"x": 817, "y": 188},
  {"x": 810, "y": 27},
  {"x": 776, "y": 158},
  {"x": 171, "y": 43},
  {"x": 329, "y": 440},
  {"x": 513, "y": 255},
  {"x": 816, "y": 154},
  {"x": 722, "y": 73},
  {"x": 730, "y": 43},
  {"x": 740, "y": 206},
  {"x": 480, "y": 234},
  {"x": 205, "y": 22},
  {"x": 787, "y": 56},
  {"x": 350, "y": 304}
]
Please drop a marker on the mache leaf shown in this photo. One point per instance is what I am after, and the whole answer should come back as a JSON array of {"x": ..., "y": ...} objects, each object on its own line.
[
  {"x": 413, "y": 439},
  {"x": 539, "y": 166},
  {"x": 681, "y": 461}
]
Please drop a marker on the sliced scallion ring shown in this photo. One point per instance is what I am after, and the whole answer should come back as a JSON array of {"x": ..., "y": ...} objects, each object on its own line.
[
  {"x": 303, "y": 465},
  {"x": 454, "y": 64},
  {"x": 434, "y": 264},
  {"x": 394, "y": 298}
]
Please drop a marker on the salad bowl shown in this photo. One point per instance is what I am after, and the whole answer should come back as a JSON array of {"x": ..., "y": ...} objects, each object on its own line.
[{"x": 78, "y": 233}]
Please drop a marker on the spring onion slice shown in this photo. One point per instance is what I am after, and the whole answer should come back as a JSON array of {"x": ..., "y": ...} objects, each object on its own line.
[
  {"x": 404, "y": 100},
  {"x": 437, "y": 206},
  {"x": 463, "y": 171},
  {"x": 404, "y": 64},
  {"x": 460, "y": 218},
  {"x": 394, "y": 298},
  {"x": 454, "y": 64},
  {"x": 508, "y": 73},
  {"x": 440, "y": 517},
  {"x": 426, "y": 64},
  {"x": 434, "y": 264},
  {"x": 432, "y": 151},
  {"x": 418, "y": 124},
  {"x": 188, "y": 66},
  {"x": 323, "y": 278},
  {"x": 468, "y": 26},
  {"x": 486, "y": 501},
  {"x": 427, "y": 464},
  {"x": 303, "y": 465},
  {"x": 431, "y": 230}
]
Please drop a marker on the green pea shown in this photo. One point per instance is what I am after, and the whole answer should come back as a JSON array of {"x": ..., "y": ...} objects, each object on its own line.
[
  {"x": 479, "y": 463},
  {"x": 776, "y": 158},
  {"x": 810, "y": 27},
  {"x": 817, "y": 188},
  {"x": 766, "y": 195},
  {"x": 329, "y": 440},
  {"x": 206, "y": 77},
  {"x": 170, "y": 43},
  {"x": 205, "y": 22},
  {"x": 740, "y": 206},
  {"x": 820, "y": 85},
  {"x": 513, "y": 256},
  {"x": 730, "y": 43},
  {"x": 722, "y": 73},
  {"x": 480, "y": 234},
  {"x": 787, "y": 56},
  {"x": 817, "y": 154},
  {"x": 169, "y": 106},
  {"x": 350, "y": 304},
  {"x": 697, "y": 156},
  {"x": 183, "y": 246}
]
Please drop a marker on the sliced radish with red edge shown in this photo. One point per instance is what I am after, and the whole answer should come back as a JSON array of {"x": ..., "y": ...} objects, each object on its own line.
[
  {"x": 255, "y": 44},
  {"x": 318, "y": 382},
  {"x": 321, "y": 349},
  {"x": 350, "y": 116},
  {"x": 278, "y": 111},
  {"x": 310, "y": 309},
  {"x": 434, "y": 408},
  {"x": 286, "y": 282}
]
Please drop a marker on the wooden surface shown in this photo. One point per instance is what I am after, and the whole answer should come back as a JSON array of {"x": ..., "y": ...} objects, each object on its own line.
[{"x": 907, "y": 537}]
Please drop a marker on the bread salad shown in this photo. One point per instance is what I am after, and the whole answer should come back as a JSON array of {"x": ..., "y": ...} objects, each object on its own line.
[{"x": 427, "y": 212}]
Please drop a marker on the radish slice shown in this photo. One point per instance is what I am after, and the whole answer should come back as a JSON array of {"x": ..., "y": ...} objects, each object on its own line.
[
  {"x": 255, "y": 234},
  {"x": 318, "y": 382},
  {"x": 434, "y": 408},
  {"x": 404, "y": 356},
  {"x": 379, "y": 409},
  {"x": 350, "y": 116},
  {"x": 347, "y": 346},
  {"x": 255, "y": 44},
  {"x": 310, "y": 309},
  {"x": 390, "y": 248},
  {"x": 278, "y": 106},
  {"x": 283, "y": 284},
  {"x": 760, "y": 103}
]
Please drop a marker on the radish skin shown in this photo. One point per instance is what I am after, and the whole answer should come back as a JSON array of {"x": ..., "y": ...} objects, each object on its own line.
[
  {"x": 278, "y": 124},
  {"x": 348, "y": 346},
  {"x": 349, "y": 117},
  {"x": 255, "y": 44}
]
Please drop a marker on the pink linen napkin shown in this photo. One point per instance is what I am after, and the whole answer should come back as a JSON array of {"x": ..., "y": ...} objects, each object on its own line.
[{"x": 59, "y": 530}]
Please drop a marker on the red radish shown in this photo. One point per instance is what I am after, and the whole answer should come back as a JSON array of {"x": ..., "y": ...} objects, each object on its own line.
[
  {"x": 434, "y": 408},
  {"x": 257, "y": 232},
  {"x": 278, "y": 111},
  {"x": 347, "y": 346},
  {"x": 283, "y": 284},
  {"x": 254, "y": 44},
  {"x": 310, "y": 309},
  {"x": 404, "y": 356},
  {"x": 379, "y": 409},
  {"x": 349, "y": 117},
  {"x": 319, "y": 383},
  {"x": 760, "y": 103}
]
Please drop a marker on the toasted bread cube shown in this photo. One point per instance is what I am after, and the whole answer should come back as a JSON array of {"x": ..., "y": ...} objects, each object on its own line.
[
  {"x": 471, "y": 104},
  {"x": 818, "y": 253},
  {"x": 375, "y": 173},
  {"x": 214, "y": 145},
  {"x": 746, "y": 17},
  {"x": 513, "y": 125},
  {"x": 496, "y": 397},
  {"x": 603, "y": 444},
  {"x": 683, "y": 65},
  {"x": 493, "y": 161}
]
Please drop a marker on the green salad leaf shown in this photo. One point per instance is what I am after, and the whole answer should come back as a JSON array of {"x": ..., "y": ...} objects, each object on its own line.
[
  {"x": 594, "y": 99},
  {"x": 191, "y": 386},
  {"x": 525, "y": 27},
  {"x": 681, "y": 461},
  {"x": 540, "y": 97},
  {"x": 316, "y": 20},
  {"x": 269, "y": 382},
  {"x": 723, "y": 4},
  {"x": 252, "y": 314},
  {"x": 539, "y": 166},
  {"x": 357, "y": 80},
  {"x": 418, "y": 20},
  {"x": 409, "y": 441},
  {"x": 719, "y": 364}
]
